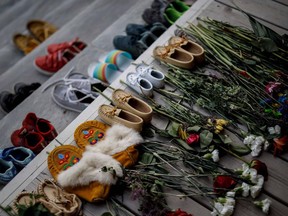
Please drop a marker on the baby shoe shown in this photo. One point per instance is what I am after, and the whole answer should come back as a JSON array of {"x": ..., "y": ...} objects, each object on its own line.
[
  {"x": 20, "y": 156},
  {"x": 28, "y": 139},
  {"x": 195, "y": 49},
  {"x": 75, "y": 46},
  {"x": 139, "y": 84},
  {"x": 58, "y": 201},
  {"x": 66, "y": 156},
  {"x": 156, "y": 77},
  {"x": 174, "y": 56},
  {"x": 132, "y": 104},
  {"x": 112, "y": 115},
  {"x": 7, "y": 171},
  {"x": 90, "y": 133},
  {"x": 39, "y": 125}
]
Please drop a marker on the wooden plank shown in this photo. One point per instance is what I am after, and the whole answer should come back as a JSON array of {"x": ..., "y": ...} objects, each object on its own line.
[
  {"x": 50, "y": 11},
  {"x": 282, "y": 2},
  {"x": 263, "y": 10},
  {"x": 224, "y": 13}
]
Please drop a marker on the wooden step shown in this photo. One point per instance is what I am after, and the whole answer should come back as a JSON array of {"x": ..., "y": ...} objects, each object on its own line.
[
  {"x": 51, "y": 11},
  {"x": 87, "y": 25}
]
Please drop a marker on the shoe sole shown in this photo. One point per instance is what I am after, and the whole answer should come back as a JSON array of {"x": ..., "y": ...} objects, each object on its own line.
[{"x": 47, "y": 73}]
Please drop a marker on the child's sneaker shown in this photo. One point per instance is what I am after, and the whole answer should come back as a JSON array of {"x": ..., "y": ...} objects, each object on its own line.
[{"x": 7, "y": 172}]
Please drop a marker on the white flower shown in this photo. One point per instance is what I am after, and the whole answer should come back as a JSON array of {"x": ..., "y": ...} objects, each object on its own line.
[
  {"x": 218, "y": 207},
  {"x": 249, "y": 139},
  {"x": 264, "y": 205},
  {"x": 256, "y": 148},
  {"x": 260, "y": 180},
  {"x": 229, "y": 201},
  {"x": 255, "y": 191},
  {"x": 259, "y": 140},
  {"x": 230, "y": 194},
  {"x": 266, "y": 145},
  {"x": 215, "y": 155},
  {"x": 253, "y": 175},
  {"x": 227, "y": 210},
  {"x": 245, "y": 169},
  {"x": 271, "y": 130},
  {"x": 277, "y": 129},
  {"x": 245, "y": 189}
]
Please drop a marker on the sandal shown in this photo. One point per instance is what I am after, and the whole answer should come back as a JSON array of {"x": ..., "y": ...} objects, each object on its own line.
[
  {"x": 41, "y": 30},
  {"x": 195, "y": 49},
  {"x": 25, "y": 43},
  {"x": 133, "y": 104},
  {"x": 57, "y": 200},
  {"x": 174, "y": 56}
]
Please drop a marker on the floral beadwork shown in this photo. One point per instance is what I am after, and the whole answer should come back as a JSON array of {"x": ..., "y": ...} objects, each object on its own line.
[
  {"x": 63, "y": 157},
  {"x": 92, "y": 137},
  {"x": 73, "y": 161},
  {"x": 87, "y": 133}
]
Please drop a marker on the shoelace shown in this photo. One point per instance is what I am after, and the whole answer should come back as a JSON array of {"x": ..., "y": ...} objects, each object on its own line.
[
  {"x": 69, "y": 91},
  {"x": 60, "y": 198},
  {"x": 164, "y": 51},
  {"x": 68, "y": 81},
  {"x": 125, "y": 98},
  {"x": 112, "y": 112}
]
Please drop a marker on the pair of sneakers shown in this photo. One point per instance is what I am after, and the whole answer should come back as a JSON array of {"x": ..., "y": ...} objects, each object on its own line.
[
  {"x": 145, "y": 79},
  {"x": 58, "y": 56},
  {"x": 8, "y": 100},
  {"x": 35, "y": 133},
  {"x": 12, "y": 160},
  {"x": 130, "y": 111},
  {"x": 139, "y": 38}
]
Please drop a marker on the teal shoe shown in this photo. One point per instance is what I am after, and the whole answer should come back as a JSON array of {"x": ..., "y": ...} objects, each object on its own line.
[
  {"x": 171, "y": 15},
  {"x": 179, "y": 6},
  {"x": 7, "y": 171}
]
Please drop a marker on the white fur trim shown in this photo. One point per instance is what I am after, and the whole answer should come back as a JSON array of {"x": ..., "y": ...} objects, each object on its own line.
[
  {"x": 117, "y": 139},
  {"x": 89, "y": 169}
]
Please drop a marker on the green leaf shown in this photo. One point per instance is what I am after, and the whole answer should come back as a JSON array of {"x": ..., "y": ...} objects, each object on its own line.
[
  {"x": 206, "y": 138},
  {"x": 240, "y": 149},
  {"x": 249, "y": 62},
  {"x": 184, "y": 144},
  {"x": 146, "y": 158},
  {"x": 173, "y": 129},
  {"x": 267, "y": 45},
  {"x": 225, "y": 138},
  {"x": 195, "y": 128}
]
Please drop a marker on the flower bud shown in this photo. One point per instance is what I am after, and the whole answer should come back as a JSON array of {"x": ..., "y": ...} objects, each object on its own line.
[{"x": 193, "y": 139}]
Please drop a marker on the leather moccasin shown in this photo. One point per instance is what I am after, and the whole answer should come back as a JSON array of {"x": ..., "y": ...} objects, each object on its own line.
[
  {"x": 195, "y": 49},
  {"x": 132, "y": 104},
  {"x": 174, "y": 56},
  {"x": 111, "y": 115}
]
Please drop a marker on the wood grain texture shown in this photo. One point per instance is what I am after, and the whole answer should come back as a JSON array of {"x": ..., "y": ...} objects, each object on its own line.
[
  {"x": 263, "y": 10},
  {"x": 51, "y": 11}
]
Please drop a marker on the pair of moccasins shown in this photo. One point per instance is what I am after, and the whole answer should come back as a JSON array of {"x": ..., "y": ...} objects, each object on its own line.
[
  {"x": 39, "y": 30},
  {"x": 90, "y": 169},
  {"x": 52, "y": 197},
  {"x": 180, "y": 52},
  {"x": 129, "y": 111}
]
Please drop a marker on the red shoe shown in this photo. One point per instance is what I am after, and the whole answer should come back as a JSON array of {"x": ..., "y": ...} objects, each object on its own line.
[
  {"x": 28, "y": 139},
  {"x": 39, "y": 125},
  {"x": 51, "y": 63},
  {"x": 74, "y": 46}
]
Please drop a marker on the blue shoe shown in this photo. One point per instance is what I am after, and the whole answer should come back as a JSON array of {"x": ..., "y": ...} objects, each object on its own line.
[
  {"x": 19, "y": 156},
  {"x": 7, "y": 171}
]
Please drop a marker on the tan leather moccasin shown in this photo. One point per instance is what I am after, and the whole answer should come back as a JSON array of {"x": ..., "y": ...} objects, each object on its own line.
[
  {"x": 111, "y": 115},
  {"x": 132, "y": 104},
  {"x": 174, "y": 56},
  {"x": 195, "y": 49}
]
